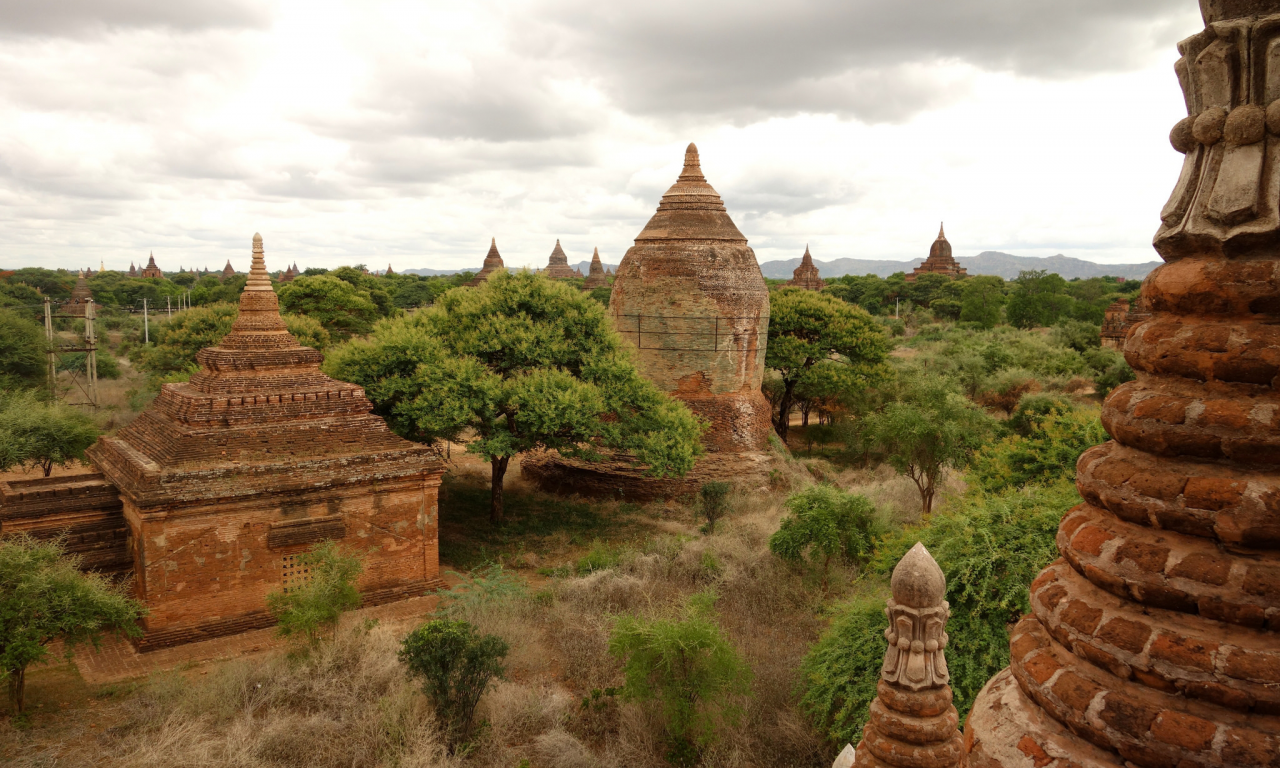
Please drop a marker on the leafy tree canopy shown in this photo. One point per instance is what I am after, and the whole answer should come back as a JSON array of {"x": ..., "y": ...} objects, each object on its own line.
[
  {"x": 344, "y": 309},
  {"x": 22, "y": 351},
  {"x": 42, "y": 434},
  {"x": 520, "y": 362},
  {"x": 176, "y": 341},
  {"x": 825, "y": 523},
  {"x": 808, "y": 329},
  {"x": 981, "y": 300},
  {"x": 44, "y": 597}
]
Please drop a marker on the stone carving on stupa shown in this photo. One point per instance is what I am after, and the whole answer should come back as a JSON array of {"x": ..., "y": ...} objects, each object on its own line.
[
  {"x": 596, "y": 277},
  {"x": 80, "y": 297},
  {"x": 151, "y": 270},
  {"x": 558, "y": 264},
  {"x": 912, "y": 721},
  {"x": 225, "y": 479},
  {"x": 492, "y": 263},
  {"x": 1154, "y": 642},
  {"x": 689, "y": 298},
  {"x": 806, "y": 275},
  {"x": 940, "y": 261}
]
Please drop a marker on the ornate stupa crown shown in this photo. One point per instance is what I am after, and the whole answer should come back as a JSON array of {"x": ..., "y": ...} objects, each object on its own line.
[{"x": 691, "y": 209}]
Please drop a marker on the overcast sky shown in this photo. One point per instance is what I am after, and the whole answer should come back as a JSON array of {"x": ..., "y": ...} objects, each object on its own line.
[{"x": 412, "y": 132}]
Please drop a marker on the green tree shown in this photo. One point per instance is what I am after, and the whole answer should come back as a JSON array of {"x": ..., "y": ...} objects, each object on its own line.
[
  {"x": 42, "y": 434},
  {"x": 22, "y": 351},
  {"x": 930, "y": 429},
  {"x": 714, "y": 495},
  {"x": 825, "y": 523},
  {"x": 981, "y": 300},
  {"x": 314, "y": 606},
  {"x": 1046, "y": 453},
  {"x": 176, "y": 341},
  {"x": 1039, "y": 299},
  {"x": 1077, "y": 335},
  {"x": 44, "y": 597},
  {"x": 378, "y": 289},
  {"x": 807, "y": 329},
  {"x": 342, "y": 308},
  {"x": 927, "y": 287},
  {"x": 456, "y": 665},
  {"x": 688, "y": 667},
  {"x": 520, "y": 362}
]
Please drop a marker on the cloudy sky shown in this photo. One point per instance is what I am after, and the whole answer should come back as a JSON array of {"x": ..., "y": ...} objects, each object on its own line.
[{"x": 411, "y": 132}]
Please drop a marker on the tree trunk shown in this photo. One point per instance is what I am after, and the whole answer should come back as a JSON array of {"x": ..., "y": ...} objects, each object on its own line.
[
  {"x": 17, "y": 689},
  {"x": 48, "y": 467},
  {"x": 499, "y": 467},
  {"x": 784, "y": 410},
  {"x": 805, "y": 407}
]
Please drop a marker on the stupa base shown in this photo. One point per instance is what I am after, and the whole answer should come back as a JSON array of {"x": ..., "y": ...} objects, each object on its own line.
[
  {"x": 1006, "y": 729},
  {"x": 620, "y": 479}
]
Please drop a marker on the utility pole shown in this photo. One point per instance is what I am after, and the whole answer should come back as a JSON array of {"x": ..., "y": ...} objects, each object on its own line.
[
  {"x": 51, "y": 355},
  {"x": 895, "y": 307},
  {"x": 91, "y": 361},
  {"x": 168, "y": 305},
  {"x": 146, "y": 331}
]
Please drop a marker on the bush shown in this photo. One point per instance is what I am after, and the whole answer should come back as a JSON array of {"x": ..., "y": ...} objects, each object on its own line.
[
  {"x": 839, "y": 674},
  {"x": 1048, "y": 452},
  {"x": 687, "y": 666},
  {"x": 1113, "y": 377},
  {"x": 1034, "y": 407},
  {"x": 1077, "y": 335},
  {"x": 1005, "y": 389},
  {"x": 328, "y": 588},
  {"x": 22, "y": 351},
  {"x": 456, "y": 666},
  {"x": 479, "y": 589},
  {"x": 714, "y": 495},
  {"x": 108, "y": 366},
  {"x": 825, "y": 523}
]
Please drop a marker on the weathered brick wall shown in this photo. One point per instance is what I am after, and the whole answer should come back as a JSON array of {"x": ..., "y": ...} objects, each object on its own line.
[{"x": 83, "y": 509}]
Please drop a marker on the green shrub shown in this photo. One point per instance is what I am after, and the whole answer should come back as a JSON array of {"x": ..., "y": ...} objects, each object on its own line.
[
  {"x": 42, "y": 434},
  {"x": 1034, "y": 407},
  {"x": 1076, "y": 334},
  {"x": 479, "y": 589},
  {"x": 825, "y": 524},
  {"x": 22, "y": 351},
  {"x": 1047, "y": 452},
  {"x": 1113, "y": 377},
  {"x": 688, "y": 667},
  {"x": 839, "y": 674},
  {"x": 456, "y": 666},
  {"x": 714, "y": 495},
  {"x": 108, "y": 366},
  {"x": 600, "y": 557},
  {"x": 326, "y": 587}
]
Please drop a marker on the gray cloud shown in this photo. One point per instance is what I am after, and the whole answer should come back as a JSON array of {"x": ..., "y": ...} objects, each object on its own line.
[
  {"x": 75, "y": 17},
  {"x": 853, "y": 58}
]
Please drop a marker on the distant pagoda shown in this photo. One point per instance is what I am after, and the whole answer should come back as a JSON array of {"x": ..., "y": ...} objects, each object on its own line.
[
  {"x": 151, "y": 270},
  {"x": 80, "y": 296},
  {"x": 558, "y": 265},
  {"x": 940, "y": 261},
  {"x": 133, "y": 271},
  {"x": 288, "y": 275},
  {"x": 228, "y": 271},
  {"x": 492, "y": 263},
  {"x": 806, "y": 275},
  {"x": 596, "y": 277},
  {"x": 389, "y": 270}
]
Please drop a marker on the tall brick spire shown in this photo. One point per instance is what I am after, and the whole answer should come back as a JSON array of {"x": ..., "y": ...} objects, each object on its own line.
[
  {"x": 1153, "y": 641},
  {"x": 558, "y": 264}
]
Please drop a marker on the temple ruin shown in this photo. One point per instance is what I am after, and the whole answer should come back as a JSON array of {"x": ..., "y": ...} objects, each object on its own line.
[
  {"x": 806, "y": 275},
  {"x": 210, "y": 495},
  {"x": 912, "y": 721},
  {"x": 80, "y": 297},
  {"x": 690, "y": 299},
  {"x": 289, "y": 274},
  {"x": 151, "y": 270},
  {"x": 1118, "y": 318},
  {"x": 596, "y": 278},
  {"x": 1153, "y": 641},
  {"x": 940, "y": 261},
  {"x": 492, "y": 263},
  {"x": 228, "y": 271},
  {"x": 133, "y": 271},
  {"x": 558, "y": 264}
]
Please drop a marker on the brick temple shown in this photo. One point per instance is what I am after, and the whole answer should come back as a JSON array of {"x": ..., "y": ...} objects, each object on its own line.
[
  {"x": 940, "y": 261},
  {"x": 492, "y": 263},
  {"x": 690, "y": 299},
  {"x": 209, "y": 496},
  {"x": 80, "y": 297},
  {"x": 1118, "y": 318},
  {"x": 151, "y": 270},
  {"x": 1154, "y": 641},
  {"x": 558, "y": 265},
  {"x": 806, "y": 275},
  {"x": 596, "y": 277}
]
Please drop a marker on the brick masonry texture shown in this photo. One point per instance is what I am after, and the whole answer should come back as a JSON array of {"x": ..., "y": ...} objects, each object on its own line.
[
  {"x": 85, "y": 509},
  {"x": 1155, "y": 640},
  {"x": 225, "y": 479}
]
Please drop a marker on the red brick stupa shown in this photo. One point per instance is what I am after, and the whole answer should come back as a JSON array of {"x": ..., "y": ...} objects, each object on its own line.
[
  {"x": 80, "y": 297},
  {"x": 940, "y": 261},
  {"x": 225, "y": 479},
  {"x": 558, "y": 265},
  {"x": 596, "y": 278},
  {"x": 1154, "y": 641},
  {"x": 492, "y": 263},
  {"x": 806, "y": 275},
  {"x": 151, "y": 270}
]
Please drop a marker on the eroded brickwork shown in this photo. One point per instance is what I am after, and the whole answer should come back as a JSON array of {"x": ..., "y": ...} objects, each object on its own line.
[
  {"x": 227, "y": 477},
  {"x": 83, "y": 509},
  {"x": 1155, "y": 640},
  {"x": 558, "y": 264}
]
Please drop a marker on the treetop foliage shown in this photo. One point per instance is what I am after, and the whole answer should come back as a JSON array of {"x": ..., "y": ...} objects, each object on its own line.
[{"x": 36, "y": 433}]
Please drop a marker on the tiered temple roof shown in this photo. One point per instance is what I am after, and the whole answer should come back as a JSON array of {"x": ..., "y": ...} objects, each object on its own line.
[
  {"x": 558, "y": 264},
  {"x": 492, "y": 263},
  {"x": 806, "y": 275},
  {"x": 151, "y": 270},
  {"x": 288, "y": 275},
  {"x": 940, "y": 261},
  {"x": 228, "y": 271},
  {"x": 133, "y": 271},
  {"x": 258, "y": 416},
  {"x": 596, "y": 278},
  {"x": 80, "y": 295}
]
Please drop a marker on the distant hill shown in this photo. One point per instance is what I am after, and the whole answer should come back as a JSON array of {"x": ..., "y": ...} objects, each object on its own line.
[{"x": 986, "y": 263}]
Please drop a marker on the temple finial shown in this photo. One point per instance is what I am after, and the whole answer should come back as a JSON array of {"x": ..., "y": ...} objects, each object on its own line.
[
  {"x": 259, "y": 280},
  {"x": 941, "y": 235}
]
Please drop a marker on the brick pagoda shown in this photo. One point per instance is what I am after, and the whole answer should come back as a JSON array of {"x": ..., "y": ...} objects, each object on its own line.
[
  {"x": 80, "y": 297},
  {"x": 558, "y": 264},
  {"x": 225, "y": 479},
  {"x": 492, "y": 263},
  {"x": 596, "y": 278},
  {"x": 151, "y": 270},
  {"x": 940, "y": 261},
  {"x": 1154, "y": 641},
  {"x": 806, "y": 275},
  {"x": 690, "y": 298}
]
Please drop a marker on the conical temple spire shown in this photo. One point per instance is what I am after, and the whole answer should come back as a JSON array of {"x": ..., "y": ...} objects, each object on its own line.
[
  {"x": 806, "y": 260},
  {"x": 941, "y": 234},
  {"x": 692, "y": 165},
  {"x": 691, "y": 209}
]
